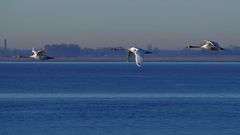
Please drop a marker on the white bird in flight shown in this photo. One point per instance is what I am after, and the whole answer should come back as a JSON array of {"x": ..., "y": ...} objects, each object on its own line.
[
  {"x": 40, "y": 54},
  {"x": 138, "y": 53},
  {"x": 208, "y": 45}
]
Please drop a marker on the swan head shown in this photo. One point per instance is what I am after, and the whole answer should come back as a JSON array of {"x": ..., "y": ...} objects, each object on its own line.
[
  {"x": 188, "y": 46},
  {"x": 133, "y": 49}
]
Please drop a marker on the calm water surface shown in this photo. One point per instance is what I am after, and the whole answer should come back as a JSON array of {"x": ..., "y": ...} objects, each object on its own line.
[{"x": 101, "y": 98}]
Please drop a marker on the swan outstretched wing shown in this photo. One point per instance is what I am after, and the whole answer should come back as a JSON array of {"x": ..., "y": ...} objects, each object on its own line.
[
  {"x": 139, "y": 57},
  {"x": 34, "y": 51},
  {"x": 130, "y": 54},
  {"x": 42, "y": 52},
  {"x": 216, "y": 45}
]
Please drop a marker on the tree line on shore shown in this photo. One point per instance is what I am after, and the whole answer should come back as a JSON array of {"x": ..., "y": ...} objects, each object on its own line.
[{"x": 75, "y": 50}]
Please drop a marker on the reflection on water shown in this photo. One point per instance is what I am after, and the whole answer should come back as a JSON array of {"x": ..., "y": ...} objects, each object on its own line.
[
  {"x": 101, "y": 116},
  {"x": 117, "y": 95},
  {"x": 119, "y": 98}
]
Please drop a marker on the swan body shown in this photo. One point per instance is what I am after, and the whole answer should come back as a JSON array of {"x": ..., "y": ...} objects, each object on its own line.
[
  {"x": 40, "y": 54},
  {"x": 208, "y": 45},
  {"x": 138, "y": 53}
]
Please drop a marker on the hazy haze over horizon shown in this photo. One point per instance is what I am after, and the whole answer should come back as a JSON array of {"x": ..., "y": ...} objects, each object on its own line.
[{"x": 169, "y": 24}]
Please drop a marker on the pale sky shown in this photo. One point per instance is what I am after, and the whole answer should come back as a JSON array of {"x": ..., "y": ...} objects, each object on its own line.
[{"x": 166, "y": 24}]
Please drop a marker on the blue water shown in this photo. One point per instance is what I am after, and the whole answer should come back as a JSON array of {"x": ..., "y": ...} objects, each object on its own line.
[{"x": 175, "y": 98}]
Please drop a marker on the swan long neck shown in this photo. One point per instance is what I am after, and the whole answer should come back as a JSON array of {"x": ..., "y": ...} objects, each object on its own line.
[
  {"x": 147, "y": 52},
  {"x": 191, "y": 46}
]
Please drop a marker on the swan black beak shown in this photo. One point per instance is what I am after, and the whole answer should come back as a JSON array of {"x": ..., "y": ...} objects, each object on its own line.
[{"x": 147, "y": 52}]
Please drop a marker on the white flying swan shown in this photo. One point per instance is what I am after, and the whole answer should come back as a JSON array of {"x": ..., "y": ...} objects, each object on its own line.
[
  {"x": 137, "y": 52},
  {"x": 40, "y": 54},
  {"x": 208, "y": 45},
  {"x": 139, "y": 55}
]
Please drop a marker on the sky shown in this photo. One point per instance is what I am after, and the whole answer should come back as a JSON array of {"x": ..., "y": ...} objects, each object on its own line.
[{"x": 165, "y": 24}]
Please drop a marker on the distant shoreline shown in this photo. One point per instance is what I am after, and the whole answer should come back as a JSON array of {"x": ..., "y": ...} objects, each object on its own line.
[{"x": 122, "y": 59}]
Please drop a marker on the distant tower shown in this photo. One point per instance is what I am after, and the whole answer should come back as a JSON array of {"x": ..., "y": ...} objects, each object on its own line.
[
  {"x": 149, "y": 47},
  {"x": 5, "y": 44}
]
